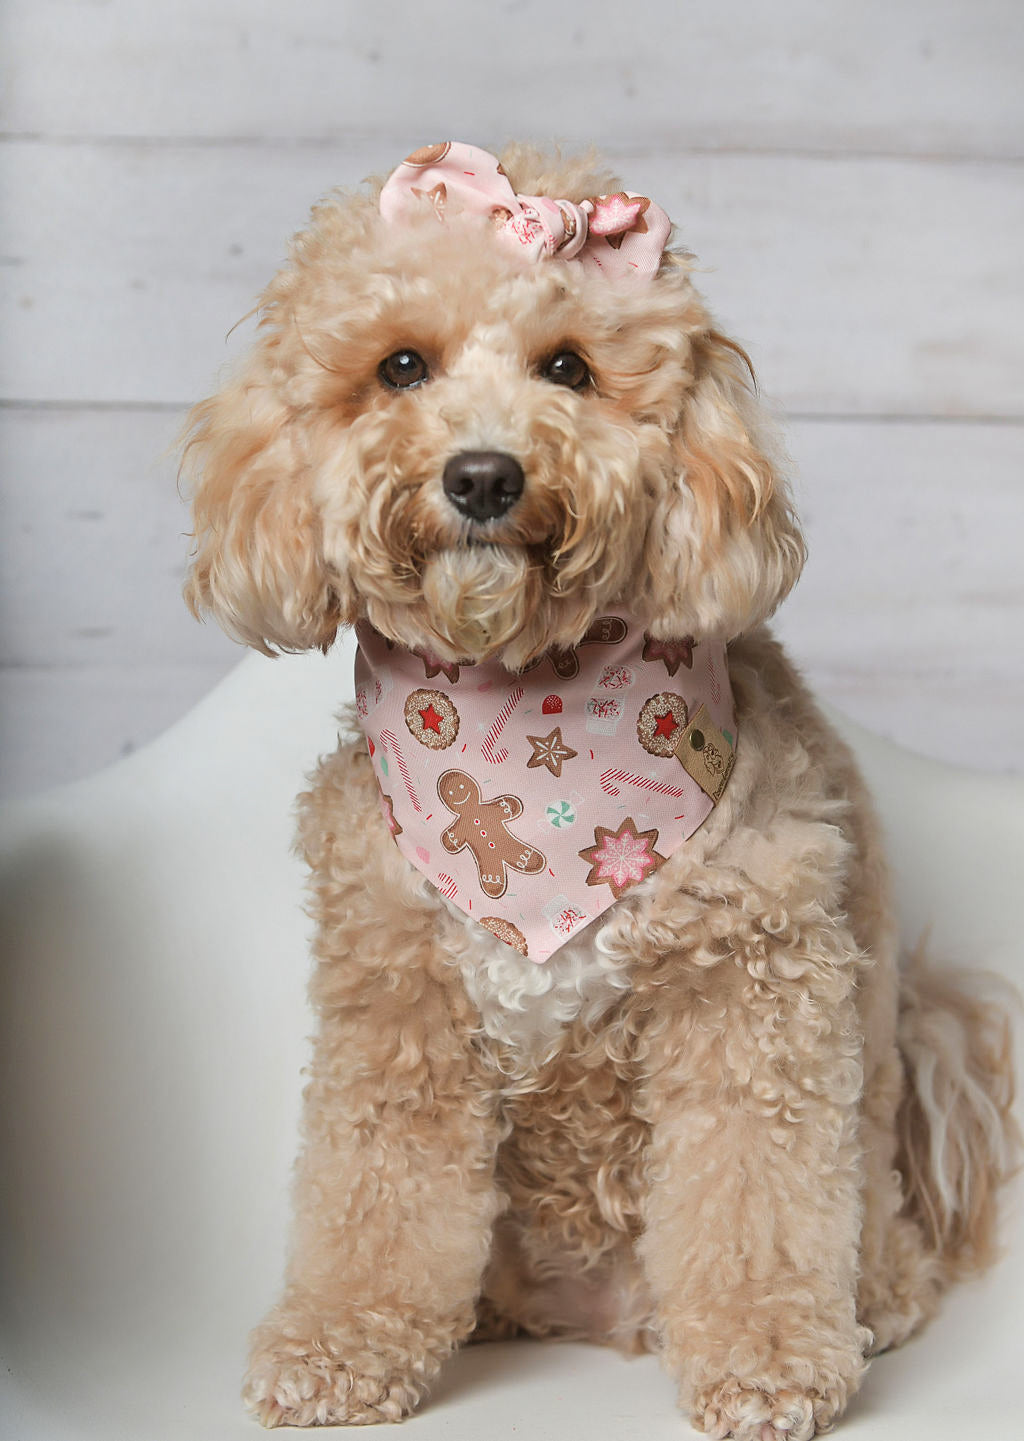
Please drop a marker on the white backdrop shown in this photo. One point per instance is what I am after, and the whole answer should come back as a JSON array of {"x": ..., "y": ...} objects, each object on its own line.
[{"x": 850, "y": 175}]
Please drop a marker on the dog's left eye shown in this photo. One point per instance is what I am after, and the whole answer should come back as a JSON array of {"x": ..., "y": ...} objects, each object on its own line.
[
  {"x": 567, "y": 368},
  {"x": 403, "y": 369}
]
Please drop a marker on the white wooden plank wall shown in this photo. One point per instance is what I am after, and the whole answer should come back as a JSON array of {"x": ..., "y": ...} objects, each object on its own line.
[{"x": 850, "y": 174}]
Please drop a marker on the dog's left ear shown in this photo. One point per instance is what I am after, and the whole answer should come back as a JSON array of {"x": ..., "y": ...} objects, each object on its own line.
[{"x": 726, "y": 548}]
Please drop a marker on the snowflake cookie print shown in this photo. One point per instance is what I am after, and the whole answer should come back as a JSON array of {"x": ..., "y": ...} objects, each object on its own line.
[{"x": 621, "y": 859}]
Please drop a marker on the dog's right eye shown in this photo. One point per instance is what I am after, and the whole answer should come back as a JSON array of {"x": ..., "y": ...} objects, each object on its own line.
[
  {"x": 568, "y": 369},
  {"x": 403, "y": 370}
]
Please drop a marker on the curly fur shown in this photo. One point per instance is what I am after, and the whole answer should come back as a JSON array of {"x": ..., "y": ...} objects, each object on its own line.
[{"x": 717, "y": 1123}]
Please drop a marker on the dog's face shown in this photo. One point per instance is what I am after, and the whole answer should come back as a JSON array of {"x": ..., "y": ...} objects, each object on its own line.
[{"x": 480, "y": 454}]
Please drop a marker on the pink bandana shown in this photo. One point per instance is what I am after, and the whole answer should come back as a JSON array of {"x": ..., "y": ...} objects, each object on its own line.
[
  {"x": 534, "y": 800},
  {"x": 620, "y": 235}
]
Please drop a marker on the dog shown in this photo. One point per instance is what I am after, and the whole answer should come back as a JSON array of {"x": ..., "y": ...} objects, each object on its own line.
[{"x": 613, "y": 1039}]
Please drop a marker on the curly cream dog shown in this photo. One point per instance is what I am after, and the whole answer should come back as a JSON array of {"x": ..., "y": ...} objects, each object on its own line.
[{"x": 716, "y": 1121}]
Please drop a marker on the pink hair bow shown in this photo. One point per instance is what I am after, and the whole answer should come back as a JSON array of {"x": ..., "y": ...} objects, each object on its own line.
[{"x": 619, "y": 235}]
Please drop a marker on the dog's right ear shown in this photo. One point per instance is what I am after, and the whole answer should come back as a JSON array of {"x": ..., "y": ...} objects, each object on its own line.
[{"x": 257, "y": 563}]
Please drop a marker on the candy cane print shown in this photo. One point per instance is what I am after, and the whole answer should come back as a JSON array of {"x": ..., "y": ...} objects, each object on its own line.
[
  {"x": 389, "y": 740},
  {"x": 446, "y": 884},
  {"x": 716, "y": 689},
  {"x": 643, "y": 783},
  {"x": 501, "y": 720}
]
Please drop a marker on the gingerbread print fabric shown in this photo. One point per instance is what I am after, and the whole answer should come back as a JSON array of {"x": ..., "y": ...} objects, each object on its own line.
[
  {"x": 534, "y": 801},
  {"x": 621, "y": 236}
]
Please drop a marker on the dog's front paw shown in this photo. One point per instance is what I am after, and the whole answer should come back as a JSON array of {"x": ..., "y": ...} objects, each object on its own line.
[
  {"x": 747, "y": 1411},
  {"x": 749, "y": 1414},
  {"x": 783, "y": 1396},
  {"x": 331, "y": 1377}
]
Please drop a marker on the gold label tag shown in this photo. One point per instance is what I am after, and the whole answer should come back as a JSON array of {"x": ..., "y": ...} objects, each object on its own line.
[{"x": 707, "y": 754}]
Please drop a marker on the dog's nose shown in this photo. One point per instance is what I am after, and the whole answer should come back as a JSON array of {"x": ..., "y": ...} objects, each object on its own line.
[{"x": 483, "y": 484}]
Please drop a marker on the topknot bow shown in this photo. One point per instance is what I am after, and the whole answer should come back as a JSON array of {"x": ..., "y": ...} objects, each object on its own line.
[{"x": 619, "y": 235}]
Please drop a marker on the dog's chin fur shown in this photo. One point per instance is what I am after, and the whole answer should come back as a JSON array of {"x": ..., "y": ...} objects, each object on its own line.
[
  {"x": 483, "y": 601},
  {"x": 716, "y": 1122}
]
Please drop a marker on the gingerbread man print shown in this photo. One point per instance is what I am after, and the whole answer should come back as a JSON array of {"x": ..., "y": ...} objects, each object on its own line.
[
  {"x": 606, "y": 630},
  {"x": 482, "y": 828}
]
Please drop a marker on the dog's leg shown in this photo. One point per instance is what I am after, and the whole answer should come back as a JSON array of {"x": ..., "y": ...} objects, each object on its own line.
[
  {"x": 754, "y": 1209},
  {"x": 899, "y": 1285},
  {"x": 395, "y": 1200},
  {"x": 948, "y": 1103},
  {"x": 900, "y": 1281}
]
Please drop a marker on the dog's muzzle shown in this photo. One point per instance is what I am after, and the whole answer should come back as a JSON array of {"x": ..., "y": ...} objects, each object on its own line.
[{"x": 483, "y": 484}]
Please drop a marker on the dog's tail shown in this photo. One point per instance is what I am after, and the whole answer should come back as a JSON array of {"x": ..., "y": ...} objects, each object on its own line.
[{"x": 958, "y": 1137}]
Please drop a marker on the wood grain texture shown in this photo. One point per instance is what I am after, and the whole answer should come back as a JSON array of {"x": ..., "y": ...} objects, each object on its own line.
[
  {"x": 861, "y": 286},
  {"x": 849, "y": 176},
  {"x": 94, "y": 544},
  {"x": 918, "y": 77},
  {"x": 910, "y": 612}
]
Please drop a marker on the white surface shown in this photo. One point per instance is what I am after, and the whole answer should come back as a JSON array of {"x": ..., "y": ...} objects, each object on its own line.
[
  {"x": 848, "y": 174},
  {"x": 153, "y": 1026}
]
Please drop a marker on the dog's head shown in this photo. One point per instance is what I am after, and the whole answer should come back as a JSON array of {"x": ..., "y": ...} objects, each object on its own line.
[{"x": 479, "y": 453}]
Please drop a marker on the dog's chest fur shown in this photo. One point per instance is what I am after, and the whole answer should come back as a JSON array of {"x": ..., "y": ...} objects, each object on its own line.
[{"x": 525, "y": 1006}]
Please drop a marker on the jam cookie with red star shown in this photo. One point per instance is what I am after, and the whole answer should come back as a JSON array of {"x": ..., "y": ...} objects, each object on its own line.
[
  {"x": 432, "y": 719},
  {"x": 661, "y": 723},
  {"x": 482, "y": 828}
]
